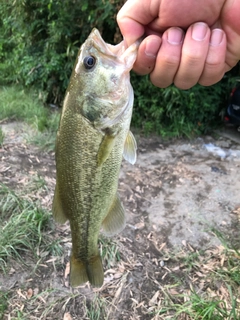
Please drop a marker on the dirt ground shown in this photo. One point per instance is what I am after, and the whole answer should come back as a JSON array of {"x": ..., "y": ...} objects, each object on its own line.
[{"x": 175, "y": 196}]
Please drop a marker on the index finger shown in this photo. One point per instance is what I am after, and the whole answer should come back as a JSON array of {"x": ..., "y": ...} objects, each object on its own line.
[{"x": 133, "y": 17}]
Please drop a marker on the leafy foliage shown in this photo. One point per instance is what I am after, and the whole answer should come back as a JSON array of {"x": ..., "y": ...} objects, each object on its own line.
[
  {"x": 175, "y": 112},
  {"x": 3, "y": 303},
  {"x": 39, "y": 41}
]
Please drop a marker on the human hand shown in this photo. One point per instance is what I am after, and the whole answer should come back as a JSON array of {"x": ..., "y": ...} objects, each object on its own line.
[{"x": 209, "y": 48}]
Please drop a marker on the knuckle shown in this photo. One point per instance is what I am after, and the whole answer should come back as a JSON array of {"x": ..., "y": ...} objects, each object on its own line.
[{"x": 193, "y": 60}]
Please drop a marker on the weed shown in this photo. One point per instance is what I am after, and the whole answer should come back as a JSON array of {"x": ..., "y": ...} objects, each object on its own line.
[
  {"x": 22, "y": 225},
  {"x": 96, "y": 309},
  {"x": 36, "y": 183},
  {"x": 44, "y": 140},
  {"x": 17, "y": 104},
  {"x": 191, "y": 259},
  {"x": 1, "y": 137},
  {"x": 207, "y": 308},
  {"x": 3, "y": 303},
  {"x": 21, "y": 105},
  {"x": 220, "y": 236},
  {"x": 9, "y": 201},
  {"x": 54, "y": 247},
  {"x": 109, "y": 251},
  {"x": 229, "y": 273}
]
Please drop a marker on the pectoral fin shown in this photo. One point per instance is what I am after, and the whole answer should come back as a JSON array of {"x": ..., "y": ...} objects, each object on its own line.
[
  {"x": 58, "y": 214},
  {"x": 115, "y": 220},
  {"x": 130, "y": 148},
  {"x": 105, "y": 149}
]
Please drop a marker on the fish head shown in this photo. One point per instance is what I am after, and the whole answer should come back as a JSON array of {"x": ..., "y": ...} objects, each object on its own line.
[{"x": 100, "y": 80}]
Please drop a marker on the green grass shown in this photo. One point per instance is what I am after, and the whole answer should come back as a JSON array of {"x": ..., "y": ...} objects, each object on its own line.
[
  {"x": 109, "y": 251},
  {"x": 22, "y": 227},
  {"x": 3, "y": 303},
  {"x": 18, "y": 104},
  {"x": 43, "y": 140},
  {"x": 1, "y": 137},
  {"x": 207, "y": 287},
  {"x": 97, "y": 309},
  {"x": 195, "y": 306},
  {"x": 192, "y": 259}
]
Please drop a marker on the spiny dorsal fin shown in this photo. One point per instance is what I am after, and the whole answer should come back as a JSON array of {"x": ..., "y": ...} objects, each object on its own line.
[
  {"x": 130, "y": 148},
  {"x": 115, "y": 220}
]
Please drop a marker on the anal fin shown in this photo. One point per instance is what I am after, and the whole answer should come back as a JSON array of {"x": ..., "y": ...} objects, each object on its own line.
[
  {"x": 130, "y": 148},
  {"x": 115, "y": 220},
  {"x": 58, "y": 213}
]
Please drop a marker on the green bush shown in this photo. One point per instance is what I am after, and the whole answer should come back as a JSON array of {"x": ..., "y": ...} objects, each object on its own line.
[
  {"x": 39, "y": 40},
  {"x": 175, "y": 112}
]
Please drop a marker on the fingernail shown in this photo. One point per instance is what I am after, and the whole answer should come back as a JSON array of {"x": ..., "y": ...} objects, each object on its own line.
[
  {"x": 152, "y": 47},
  {"x": 199, "y": 31},
  {"x": 175, "y": 36},
  {"x": 216, "y": 37}
]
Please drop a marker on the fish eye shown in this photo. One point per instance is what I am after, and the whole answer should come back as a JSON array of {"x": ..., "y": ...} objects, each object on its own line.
[{"x": 89, "y": 62}]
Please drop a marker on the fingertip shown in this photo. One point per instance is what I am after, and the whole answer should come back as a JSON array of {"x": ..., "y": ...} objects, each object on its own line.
[
  {"x": 131, "y": 30},
  {"x": 193, "y": 56},
  {"x": 152, "y": 45},
  {"x": 174, "y": 35},
  {"x": 147, "y": 54},
  {"x": 217, "y": 37},
  {"x": 214, "y": 68},
  {"x": 168, "y": 58},
  {"x": 132, "y": 20},
  {"x": 199, "y": 31}
]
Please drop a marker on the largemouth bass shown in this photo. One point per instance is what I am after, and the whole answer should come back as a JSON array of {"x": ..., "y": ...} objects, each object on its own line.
[{"x": 92, "y": 138}]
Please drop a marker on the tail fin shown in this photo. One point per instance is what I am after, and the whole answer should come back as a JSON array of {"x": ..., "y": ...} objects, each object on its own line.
[{"x": 91, "y": 270}]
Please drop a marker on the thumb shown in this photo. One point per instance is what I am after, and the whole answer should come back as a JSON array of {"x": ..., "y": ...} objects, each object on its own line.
[{"x": 132, "y": 19}]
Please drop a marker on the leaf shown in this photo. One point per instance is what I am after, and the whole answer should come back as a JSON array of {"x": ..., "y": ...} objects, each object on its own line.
[
  {"x": 154, "y": 299},
  {"x": 67, "y": 270},
  {"x": 29, "y": 293},
  {"x": 67, "y": 316}
]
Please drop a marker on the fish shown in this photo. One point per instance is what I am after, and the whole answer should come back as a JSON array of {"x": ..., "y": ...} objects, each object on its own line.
[{"x": 92, "y": 139}]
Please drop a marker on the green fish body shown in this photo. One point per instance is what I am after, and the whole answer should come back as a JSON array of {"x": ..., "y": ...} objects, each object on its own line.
[{"x": 92, "y": 138}]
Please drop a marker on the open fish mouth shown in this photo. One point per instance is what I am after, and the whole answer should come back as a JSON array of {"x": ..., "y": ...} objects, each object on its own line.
[{"x": 120, "y": 51}]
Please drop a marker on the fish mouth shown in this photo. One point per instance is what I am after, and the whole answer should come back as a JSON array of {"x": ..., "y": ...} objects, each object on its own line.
[
  {"x": 119, "y": 52},
  {"x": 103, "y": 47},
  {"x": 118, "y": 61}
]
